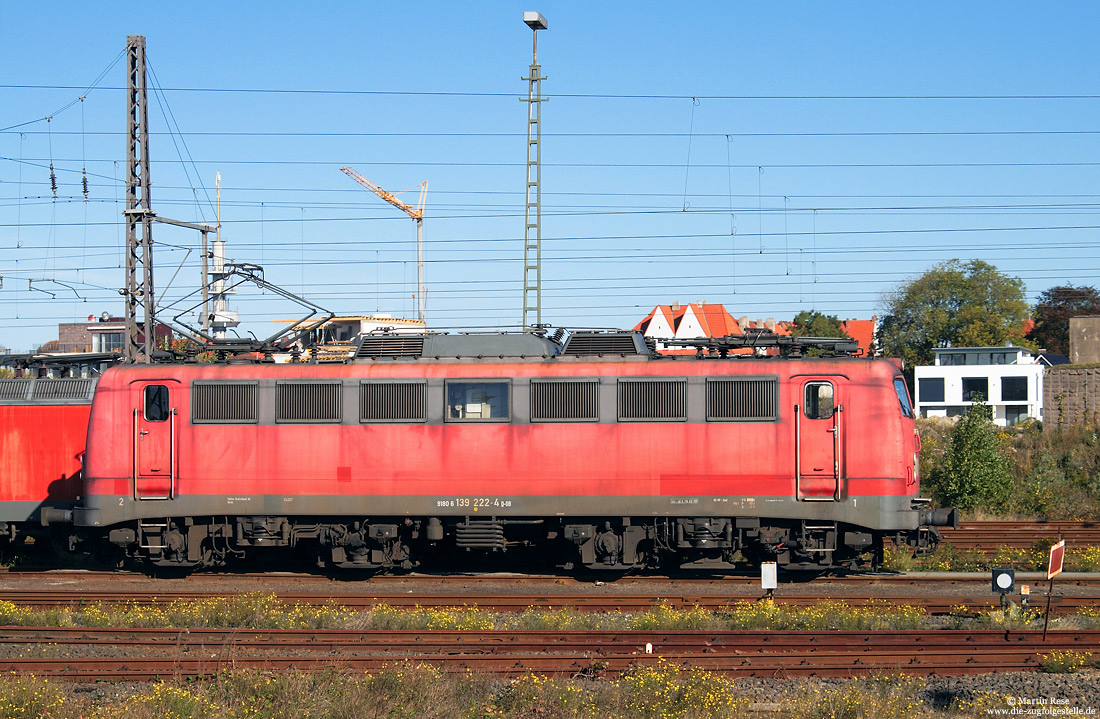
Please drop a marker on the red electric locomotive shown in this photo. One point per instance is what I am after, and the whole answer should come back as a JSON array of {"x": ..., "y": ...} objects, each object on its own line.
[
  {"x": 45, "y": 426},
  {"x": 597, "y": 450}
]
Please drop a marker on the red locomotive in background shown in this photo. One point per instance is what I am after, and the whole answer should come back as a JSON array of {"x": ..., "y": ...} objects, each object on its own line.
[
  {"x": 595, "y": 451},
  {"x": 43, "y": 430}
]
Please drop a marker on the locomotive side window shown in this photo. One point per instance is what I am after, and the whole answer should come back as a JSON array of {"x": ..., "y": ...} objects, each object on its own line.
[
  {"x": 646, "y": 400},
  {"x": 819, "y": 400},
  {"x": 307, "y": 402},
  {"x": 477, "y": 401},
  {"x": 566, "y": 400},
  {"x": 157, "y": 408},
  {"x": 743, "y": 399},
  {"x": 223, "y": 402},
  {"x": 903, "y": 397},
  {"x": 392, "y": 401}
]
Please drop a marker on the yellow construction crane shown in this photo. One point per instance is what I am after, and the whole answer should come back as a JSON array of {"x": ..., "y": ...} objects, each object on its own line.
[{"x": 417, "y": 213}]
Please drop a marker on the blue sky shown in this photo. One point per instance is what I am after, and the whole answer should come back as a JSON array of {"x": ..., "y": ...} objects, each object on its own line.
[{"x": 832, "y": 152}]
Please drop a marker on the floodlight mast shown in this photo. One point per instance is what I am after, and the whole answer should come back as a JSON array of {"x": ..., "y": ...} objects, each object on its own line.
[{"x": 532, "y": 233}]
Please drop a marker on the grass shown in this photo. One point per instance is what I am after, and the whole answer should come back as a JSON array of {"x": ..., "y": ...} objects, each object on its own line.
[
  {"x": 407, "y": 691},
  {"x": 871, "y": 698},
  {"x": 1022, "y": 559},
  {"x": 266, "y": 611},
  {"x": 652, "y": 691},
  {"x": 1065, "y": 662}
]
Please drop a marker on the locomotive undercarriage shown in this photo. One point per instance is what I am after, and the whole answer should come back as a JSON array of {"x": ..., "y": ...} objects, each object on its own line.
[{"x": 617, "y": 544}]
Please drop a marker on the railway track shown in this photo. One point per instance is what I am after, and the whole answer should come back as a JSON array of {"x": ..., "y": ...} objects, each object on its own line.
[
  {"x": 743, "y": 581},
  {"x": 990, "y": 535},
  {"x": 161, "y": 653},
  {"x": 496, "y": 602}
]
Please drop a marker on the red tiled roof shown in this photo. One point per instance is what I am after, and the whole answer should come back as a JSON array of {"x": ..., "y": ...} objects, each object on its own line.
[
  {"x": 862, "y": 331},
  {"x": 715, "y": 321}
]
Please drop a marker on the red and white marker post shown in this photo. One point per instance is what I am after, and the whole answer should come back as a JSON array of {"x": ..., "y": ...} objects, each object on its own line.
[{"x": 1054, "y": 568}]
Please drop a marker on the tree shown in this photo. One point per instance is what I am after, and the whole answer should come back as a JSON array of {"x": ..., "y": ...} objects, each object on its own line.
[
  {"x": 1053, "y": 311},
  {"x": 814, "y": 324},
  {"x": 954, "y": 304},
  {"x": 975, "y": 472}
]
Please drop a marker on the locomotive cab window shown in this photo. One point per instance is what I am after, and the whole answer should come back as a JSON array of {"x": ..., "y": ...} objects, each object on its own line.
[
  {"x": 819, "y": 400},
  {"x": 903, "y": 397},
  {"x": 157, "y": 407},
  {"x": 469, "y": 401}
]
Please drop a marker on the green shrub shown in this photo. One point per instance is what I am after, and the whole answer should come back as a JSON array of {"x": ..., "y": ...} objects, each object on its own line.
[{"x": 975, "y": 469}]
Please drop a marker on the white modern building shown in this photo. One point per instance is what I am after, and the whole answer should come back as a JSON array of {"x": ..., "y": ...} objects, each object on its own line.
[{"x": 1008, "y": 379}]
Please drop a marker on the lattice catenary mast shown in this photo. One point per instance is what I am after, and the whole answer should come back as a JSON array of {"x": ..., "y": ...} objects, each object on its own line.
[{"x": 139, "y": 221}]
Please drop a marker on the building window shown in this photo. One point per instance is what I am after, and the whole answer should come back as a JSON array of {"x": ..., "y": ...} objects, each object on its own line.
[
  {"x": 478, "y": 402},
  {"x": 1015, "y": 415},
  {"x": 1014, "y": 389},
  {"x": 930, "y": 389},
  {"x": 975, "y": 389},
  {"x": 107, "y": 342}
]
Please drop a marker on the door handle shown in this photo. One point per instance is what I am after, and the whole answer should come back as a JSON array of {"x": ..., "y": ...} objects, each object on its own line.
[{"x": 143, "y": 432}]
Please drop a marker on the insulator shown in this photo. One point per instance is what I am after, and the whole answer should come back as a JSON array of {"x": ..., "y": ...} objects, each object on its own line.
[
  {"x": 84, "y": 173},
  {"x": 53, "y": 181}
]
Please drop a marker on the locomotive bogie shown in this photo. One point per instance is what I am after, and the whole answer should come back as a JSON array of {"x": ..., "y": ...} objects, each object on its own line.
[{"x": 591, "y": 543}]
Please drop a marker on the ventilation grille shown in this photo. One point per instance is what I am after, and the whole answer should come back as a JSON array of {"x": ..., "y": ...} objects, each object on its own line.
[
  {"x": 564, "y": 401},
  {"x": 591, "y": 343},
  {"x": 307, "y": 402},
  {"x": 392, "y": 402},
  {"x": 652, "y": 400},
  {"x": 62, "y": 389},
  {"x": 743, "y": 399},
  {"x": 47, "y": 390},
  {"x": 391, "y": 346},
  {"x": 15, "y": 388},
  {"x": 223, "y": 402}
]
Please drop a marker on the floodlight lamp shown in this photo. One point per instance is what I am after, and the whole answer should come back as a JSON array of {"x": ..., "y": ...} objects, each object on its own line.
[{"x": 535, "y": 21}]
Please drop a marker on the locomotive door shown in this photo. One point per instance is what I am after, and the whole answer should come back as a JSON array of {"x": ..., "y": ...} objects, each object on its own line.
[
  {"x": 154, "y": 439},
  {"x": 817, "y": 441}
]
